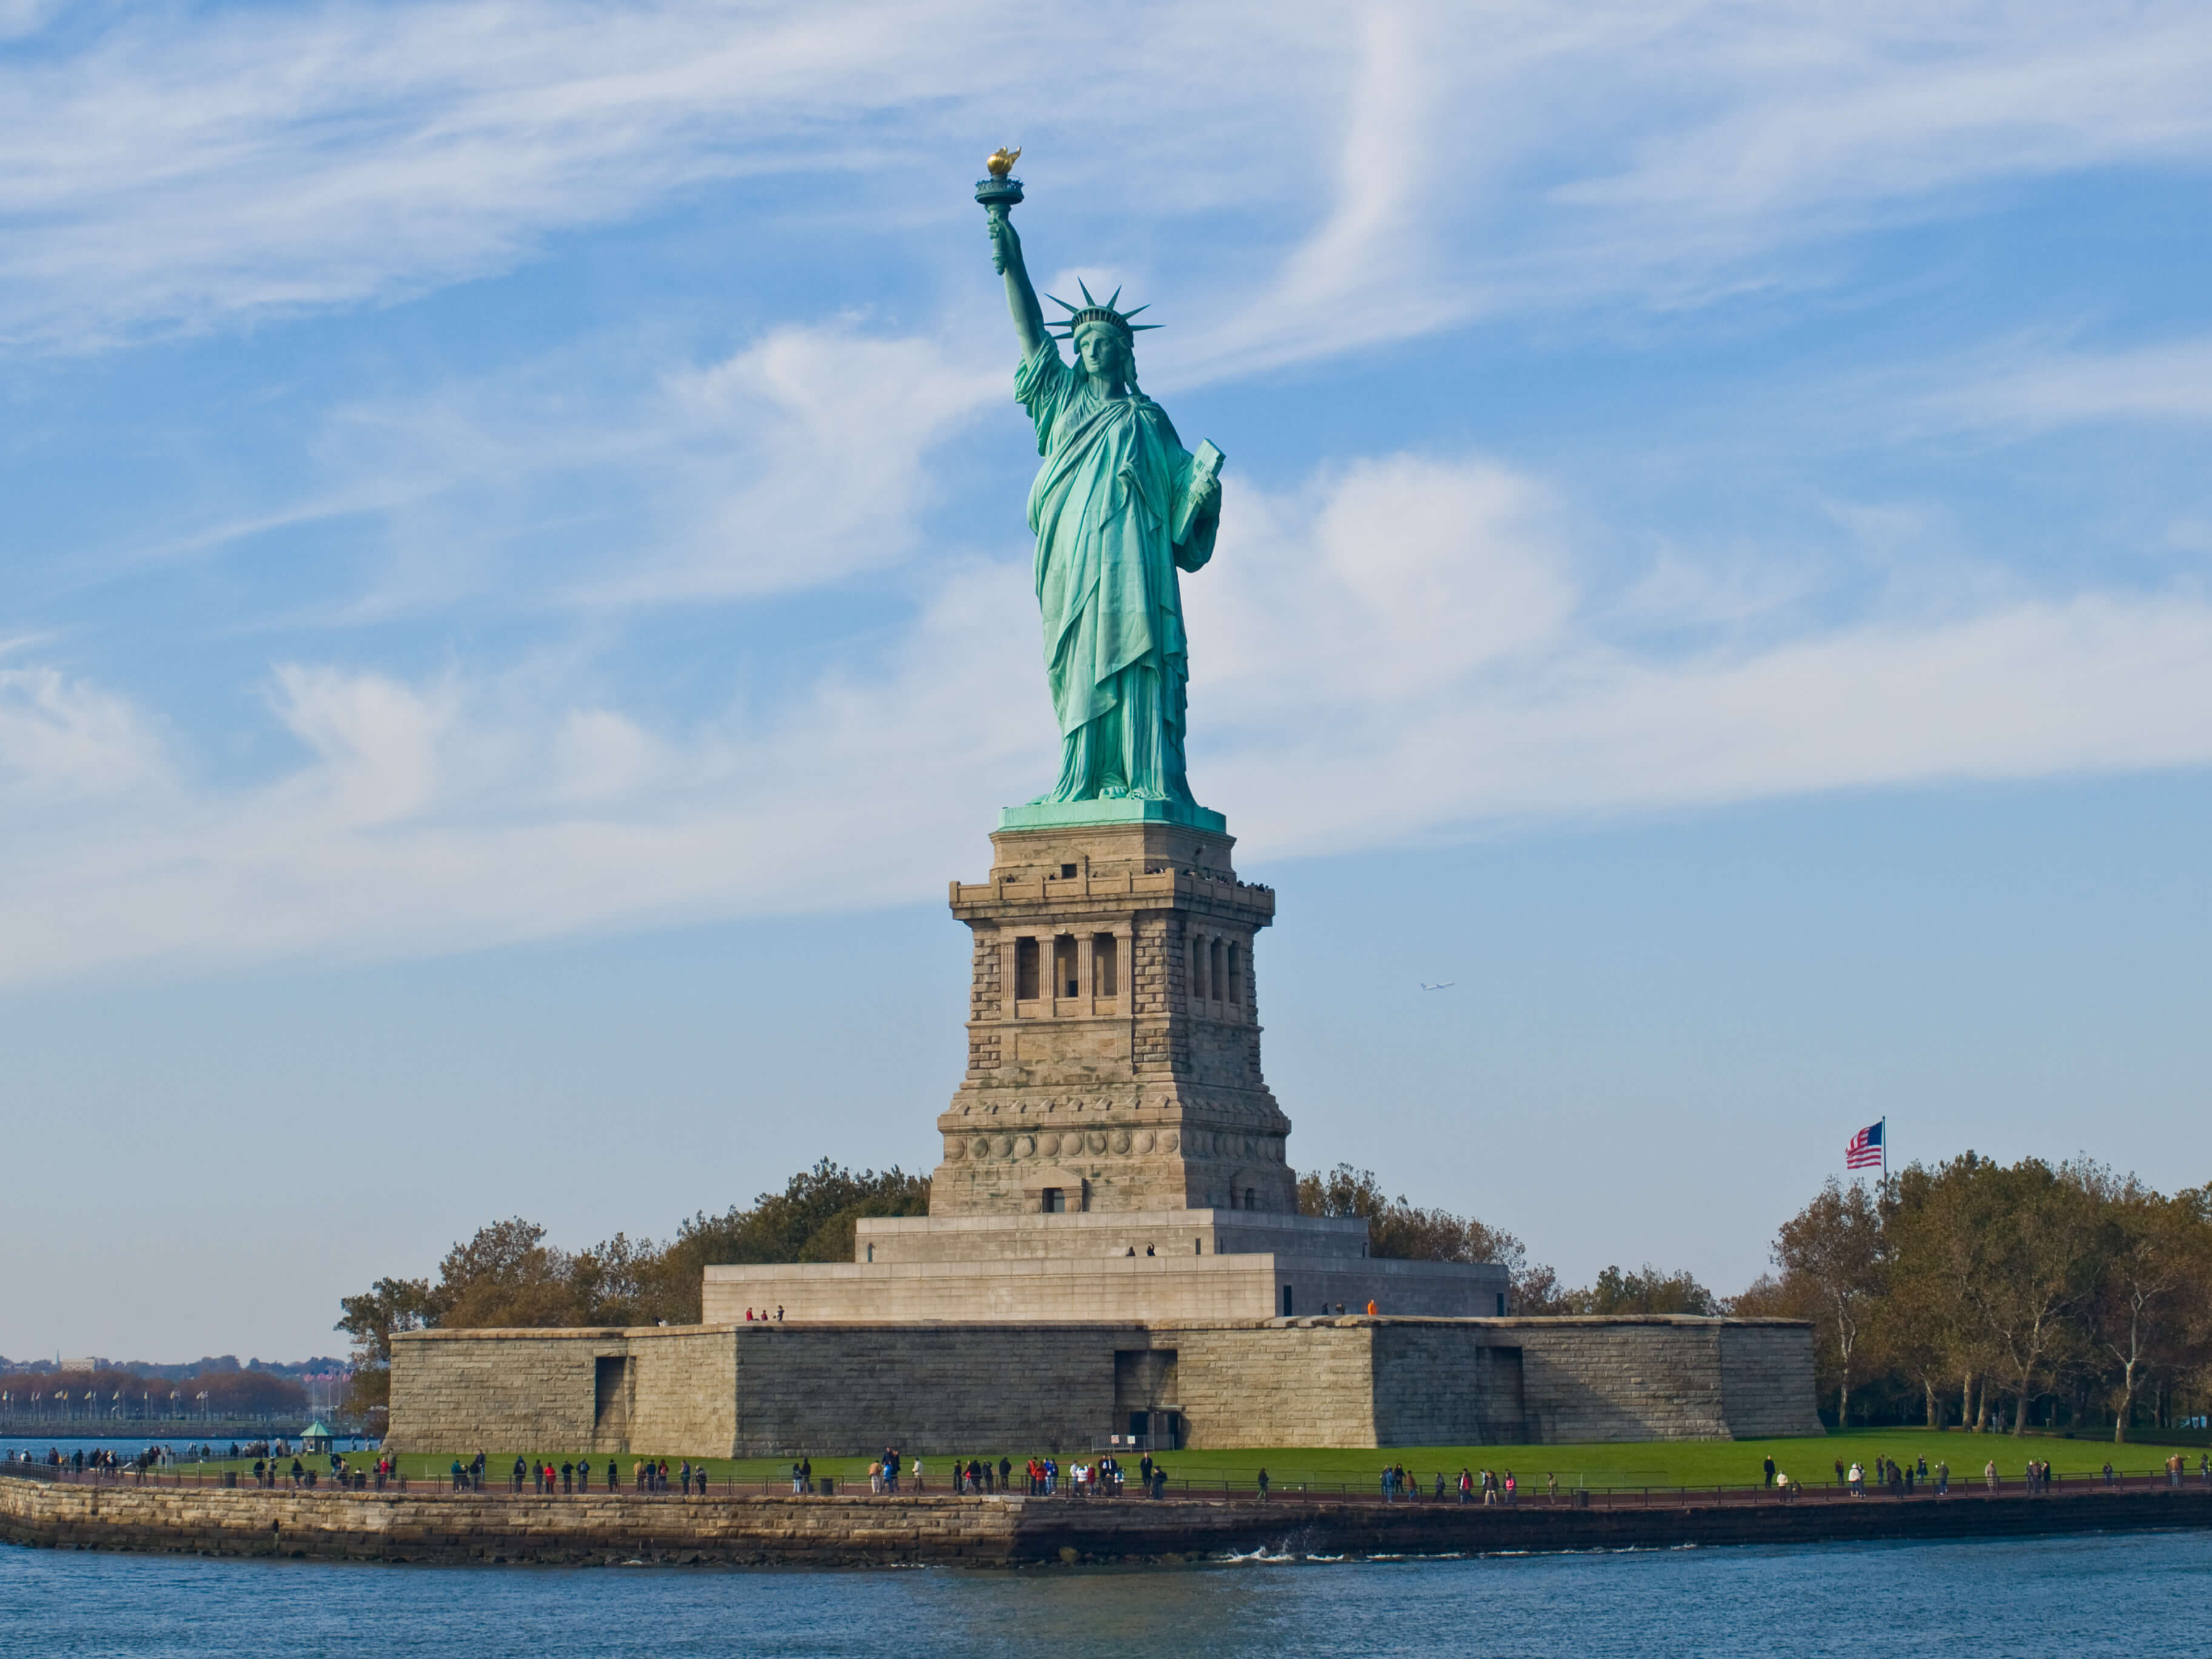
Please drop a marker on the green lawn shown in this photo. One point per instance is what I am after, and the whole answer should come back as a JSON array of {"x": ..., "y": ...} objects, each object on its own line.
[{"x": 1621, "y": 1464}]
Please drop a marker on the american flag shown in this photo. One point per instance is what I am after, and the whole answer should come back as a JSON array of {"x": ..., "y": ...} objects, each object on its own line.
[{"x": 1864, "y": 1152}]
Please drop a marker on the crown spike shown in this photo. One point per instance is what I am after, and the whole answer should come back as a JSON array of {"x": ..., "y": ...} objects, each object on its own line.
[
  {"x": 1133, "y": 310},
  {"x": 1085, "y": 287},
  {"x": 1114, "y": 303}
]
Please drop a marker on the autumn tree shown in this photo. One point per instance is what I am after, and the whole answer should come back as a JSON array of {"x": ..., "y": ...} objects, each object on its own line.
[
  {"x": 1407, "y": 1232},
  {"x": 2150, "y": 1267},
  {"x": 506, "y": 1274},
  {"x": 1834, "y": 1248},
  {"x": 2030, "y": 1243}
]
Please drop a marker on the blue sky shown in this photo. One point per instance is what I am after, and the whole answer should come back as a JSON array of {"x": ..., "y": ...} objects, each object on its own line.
[{"x": 517, "y": 601}]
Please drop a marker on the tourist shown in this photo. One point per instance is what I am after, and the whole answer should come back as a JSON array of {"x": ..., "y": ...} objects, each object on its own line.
[
  {"x": 806, "y": 1473},
  {"x": 798, "y": 1481},
  {"x": 567, "y": 1479},
  {"x": 1512, "y": 1487},
  {"x": 1466, "y": 1484},
  {"x": 1263, "y": 1485},
  {"x": 1770, "y": 1472},
  {"x": 1943, "y": 1479},
  {"x": 1857, "y": 1482},
  {"x": 1552, "y": 1487},
  {"x": 1989, "y": 1473},
  {"x": 875, "y": 1477},
  {"x": 1840, "y": 1471},
  {"x": 1006, "y": 1473}
]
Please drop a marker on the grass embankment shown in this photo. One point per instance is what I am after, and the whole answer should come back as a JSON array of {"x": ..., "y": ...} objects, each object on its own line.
[{"x": 1609, "y": 1465}]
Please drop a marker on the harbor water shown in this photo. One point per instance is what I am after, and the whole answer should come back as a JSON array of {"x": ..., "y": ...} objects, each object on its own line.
[{"x": 2125, "y": 1594}]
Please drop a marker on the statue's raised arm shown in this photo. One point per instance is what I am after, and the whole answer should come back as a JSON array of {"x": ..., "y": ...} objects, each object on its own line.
[{"x": 1006, "y": 260}]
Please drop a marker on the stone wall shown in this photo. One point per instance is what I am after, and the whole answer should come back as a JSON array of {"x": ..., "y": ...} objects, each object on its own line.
[
  {"x": 1767, "y": 1378},
  {"x": 673, "y": 1389},
  {"x": 455, "y": 1390},
  {"x": 1280, "y": 1385},
  {"x": 1446, "y": 1385},
  {"x": 685, "y": 1389},
  {"x": 851, "y": 1389},
  {"x": 863, "y": 1529},
  {"x": 1106, "y": 1235},
  {"x": 1660, "y": 1377},
  {"x": 1171, "y": 1287}
]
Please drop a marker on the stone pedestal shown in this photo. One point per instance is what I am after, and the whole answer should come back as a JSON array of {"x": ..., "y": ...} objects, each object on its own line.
[{"x": 1113, "y": 1028}]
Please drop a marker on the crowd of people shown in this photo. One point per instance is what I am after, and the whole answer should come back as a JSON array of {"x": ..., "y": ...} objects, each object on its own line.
[
  {"x": 1399, "y": 1484},
  {"x": 276, "y": 1464}
]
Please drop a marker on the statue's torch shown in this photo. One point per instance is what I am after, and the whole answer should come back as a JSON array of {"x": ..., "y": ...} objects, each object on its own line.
[{"x": 998, "y": 193}]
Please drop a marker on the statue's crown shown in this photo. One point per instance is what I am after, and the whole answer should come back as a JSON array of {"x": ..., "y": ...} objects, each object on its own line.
[{"x": 1092, "y": 310}]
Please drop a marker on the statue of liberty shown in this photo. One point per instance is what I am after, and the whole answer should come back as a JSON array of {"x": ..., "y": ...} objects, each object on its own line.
[{"x": 1118, "y": 507}]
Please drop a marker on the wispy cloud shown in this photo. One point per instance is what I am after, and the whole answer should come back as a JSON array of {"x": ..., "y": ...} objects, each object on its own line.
[
  {"x": 1359, "y": 176},
  {"x": 2032, "y": 387},
  {"x": 1395, "y": 652}
]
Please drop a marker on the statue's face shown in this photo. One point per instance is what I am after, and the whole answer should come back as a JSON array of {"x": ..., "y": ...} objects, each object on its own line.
[{"x": 1103, "y": 354}]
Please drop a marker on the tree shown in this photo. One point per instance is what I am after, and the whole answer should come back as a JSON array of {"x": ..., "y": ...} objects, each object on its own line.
[
  {"x": 388, "y": 1305},
  {"x": 1926, "y": 1326},
  {"x": 1399, "y": 1230},
  {"x": 2149, "y": 1256},
  {"x": 1643, "y": 1291},
  {"x": 2033, "y": 1243},
  {"x": 508, "y": 1275},
  {"x": 1834, "y": 1246}
]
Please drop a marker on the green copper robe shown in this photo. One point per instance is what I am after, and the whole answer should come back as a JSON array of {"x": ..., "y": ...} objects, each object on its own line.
[{"x": 1102, "y": 508}]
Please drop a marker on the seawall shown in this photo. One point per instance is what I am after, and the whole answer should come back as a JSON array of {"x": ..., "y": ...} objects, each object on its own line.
[{"x": 992, "y": 1531}]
